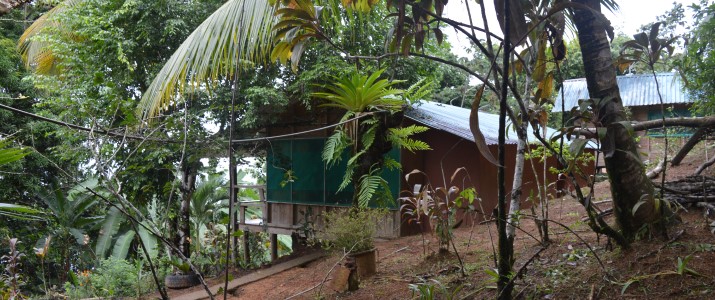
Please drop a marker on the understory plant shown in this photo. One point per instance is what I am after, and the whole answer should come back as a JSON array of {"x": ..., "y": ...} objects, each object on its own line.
[
  {"x": 111, "y": 278},
  {"x": 10, "y": 278},
  {"x": 439, "y": 205},
  {"x": 352, "y": 230}
]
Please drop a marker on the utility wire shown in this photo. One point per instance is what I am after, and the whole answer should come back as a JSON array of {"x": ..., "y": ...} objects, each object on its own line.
[{"x": 137, "y": 137}]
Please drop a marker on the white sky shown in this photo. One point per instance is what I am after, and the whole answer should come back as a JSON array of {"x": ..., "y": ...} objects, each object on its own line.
[{"x": 632, "y": 14}]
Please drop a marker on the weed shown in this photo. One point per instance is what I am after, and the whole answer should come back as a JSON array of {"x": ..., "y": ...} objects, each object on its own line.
[{"x": 11, "y": 280}]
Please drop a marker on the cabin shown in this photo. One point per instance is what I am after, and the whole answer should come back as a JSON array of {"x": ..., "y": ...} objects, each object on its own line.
[
  {"x": 300, "y": 187},
  {"x": 639, "y": 94}
]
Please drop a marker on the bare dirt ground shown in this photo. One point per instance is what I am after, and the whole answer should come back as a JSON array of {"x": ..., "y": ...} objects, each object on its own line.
[{"x": 577, "y": 264}]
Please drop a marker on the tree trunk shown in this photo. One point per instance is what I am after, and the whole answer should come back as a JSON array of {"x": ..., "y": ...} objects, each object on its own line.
[
  {"x": 188, "y": 185},
  {"x": 626, "y": 171},
  {"x": 694, "y": 140}
]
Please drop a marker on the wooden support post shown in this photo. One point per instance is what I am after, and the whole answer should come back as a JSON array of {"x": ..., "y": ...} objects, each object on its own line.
[
  {"x": 246, "y": 249},
  {"x": 274, "y": 247}
]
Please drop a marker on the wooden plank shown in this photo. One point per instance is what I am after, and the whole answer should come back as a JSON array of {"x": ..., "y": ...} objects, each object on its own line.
[
  {"x": 253, "y": 277},
  {"x": 268, "y": 229}
]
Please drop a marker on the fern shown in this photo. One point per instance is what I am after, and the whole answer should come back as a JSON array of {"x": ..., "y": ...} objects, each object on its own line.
[
  {"x": 414, "y": 145},
  {"x": 350, "y": 169},
  {"x": 392, "y": 164},
  {"x": 369, "y": 183},
  {"x": 400, "y": 137},
  {"x": 369, "y": 137},
  {"x": 420, "y": 90},
  {"x": 334, "y": 147}
]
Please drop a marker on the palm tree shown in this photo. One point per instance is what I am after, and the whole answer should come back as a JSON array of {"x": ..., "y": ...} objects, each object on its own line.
[{"x": 205, "y": 202}]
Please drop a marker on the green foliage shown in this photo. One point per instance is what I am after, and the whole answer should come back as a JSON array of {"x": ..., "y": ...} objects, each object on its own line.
[
  {"x": 433, "y": 289},
  {"x": 352, "y": 230},
  {"x": 698, "y": 64},
  {"x": 111, "y": 278},
  {"x": 362, "y": 93},
  {"x": 439, "y": 204},
  {"x": 400, "y": 137},
  {"x": 232, "y": 38}
]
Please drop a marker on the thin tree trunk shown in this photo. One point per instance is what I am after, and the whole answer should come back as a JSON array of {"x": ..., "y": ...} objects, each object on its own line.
[
  {"x": 626, "y": 171},
  {"x": 516, "y": 190},
  {"x": 694, "y": 140},
  {"x": 506, "y": 246},
  {"x": 188, "y": 184}
]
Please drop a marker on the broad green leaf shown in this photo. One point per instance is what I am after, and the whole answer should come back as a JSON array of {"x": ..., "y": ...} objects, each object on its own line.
[{"x": 121, "y": 247}]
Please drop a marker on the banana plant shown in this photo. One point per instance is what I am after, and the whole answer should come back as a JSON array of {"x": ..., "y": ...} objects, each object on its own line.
[
  {"x": 7, "y": 155},
  {"x": 117, "y": 235},
  {"x": 70, "y": 216}
]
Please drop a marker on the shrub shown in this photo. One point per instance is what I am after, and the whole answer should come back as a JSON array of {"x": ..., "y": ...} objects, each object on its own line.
[
  {"x": 112, "y": 278},
  {"x": 351, "y": 230}
]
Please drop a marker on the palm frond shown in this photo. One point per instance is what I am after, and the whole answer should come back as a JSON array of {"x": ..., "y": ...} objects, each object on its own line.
[
  {"x": 35, "y": 53},
  {"x": 237, "y": 33}
]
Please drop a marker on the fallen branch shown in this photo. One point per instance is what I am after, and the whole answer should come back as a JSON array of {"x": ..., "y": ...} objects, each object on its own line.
[
  {"x": 655, "y": 171},
  {"x": 701, "y": 122},
  {"x": 704, "y": 166},
  {"x": 692, "y": 141},
  {"x": 394, "y": 252}
]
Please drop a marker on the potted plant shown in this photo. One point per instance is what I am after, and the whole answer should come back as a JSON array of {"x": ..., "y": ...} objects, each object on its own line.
[
  {"x": 353, "y": 231},
  {"x": 184, "y": 277}
]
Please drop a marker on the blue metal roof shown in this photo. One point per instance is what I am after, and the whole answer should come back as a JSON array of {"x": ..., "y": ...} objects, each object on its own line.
[
  {"x": 636, "y": 90},
  {"x": 455, "y": 120}
]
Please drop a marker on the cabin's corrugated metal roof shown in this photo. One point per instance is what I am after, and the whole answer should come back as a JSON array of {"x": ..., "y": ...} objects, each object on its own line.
[
  {"x": 455, "y": 120},
  {"x": 636, "y": 90}
]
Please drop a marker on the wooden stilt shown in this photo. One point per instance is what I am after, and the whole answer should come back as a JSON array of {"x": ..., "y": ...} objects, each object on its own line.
[
  {"x": 246, "y": 249},
  {"x": 274, "y": 247}
]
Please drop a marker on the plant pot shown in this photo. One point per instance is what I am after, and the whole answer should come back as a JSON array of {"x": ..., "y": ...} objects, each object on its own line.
[
  {"x": 182, "y": 281},
  {"x": 365, "y": 262}
]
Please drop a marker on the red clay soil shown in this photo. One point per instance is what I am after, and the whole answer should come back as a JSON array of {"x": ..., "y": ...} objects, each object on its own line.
[{"x": 566, "y": 269}]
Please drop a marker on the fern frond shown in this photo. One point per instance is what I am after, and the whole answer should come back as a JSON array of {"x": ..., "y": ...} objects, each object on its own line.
[
  {"x": 392, "y": 164},
  {"x": 369, "y": 137},
  {"x": 400, "y": 137},
  {"x": 369, "y": 183},
  {"x": 414, "y": 145},
  {"x": 347, "y": 178},
  {"x": 420, "y": 90},
  {"x": 334, "y": 147}
]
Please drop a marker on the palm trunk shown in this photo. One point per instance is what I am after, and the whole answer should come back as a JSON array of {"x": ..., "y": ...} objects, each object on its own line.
[{"x": 626, "y": 171}]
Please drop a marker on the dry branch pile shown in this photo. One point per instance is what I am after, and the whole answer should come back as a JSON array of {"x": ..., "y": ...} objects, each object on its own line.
[{"x": 691, "y": 190}]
